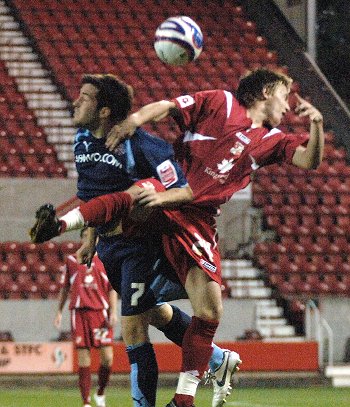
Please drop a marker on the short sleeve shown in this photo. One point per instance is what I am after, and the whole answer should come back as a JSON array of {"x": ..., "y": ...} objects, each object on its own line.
[
  {"x": 192, "y": 107},
  {"x": 291, "y": 142}
]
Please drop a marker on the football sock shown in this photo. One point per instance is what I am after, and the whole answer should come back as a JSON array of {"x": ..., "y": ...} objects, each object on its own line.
[
  {"x": 105, "y": 208},
  {"x": 186, "y": 389},
  {"x": 216, "y": 358},
  {"x": 103, "y": 379},
  {"x": 175, "y": 329},
  {"x": 197, "y": 345},
  {"x": 71, "y": 221},
  {"x": 143, "y": 375},
  {"x": 85, "y": 384}
]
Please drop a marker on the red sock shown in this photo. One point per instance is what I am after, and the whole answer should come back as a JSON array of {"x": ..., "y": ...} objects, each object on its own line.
[
  {"x": 85, "y": 384},
  {"x": 196, "y": 345},
  {"x": 104, "y": 208},
  {"x": 183, "y": 400},
  {"x": 103, "y": 379}
]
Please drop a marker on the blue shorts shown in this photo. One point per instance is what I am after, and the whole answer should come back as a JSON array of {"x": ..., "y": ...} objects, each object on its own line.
[{"x": 139, "y": 271}]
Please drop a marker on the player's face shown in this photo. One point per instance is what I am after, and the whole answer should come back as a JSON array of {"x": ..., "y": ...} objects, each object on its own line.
[
  {"x": 276, "y": 105},
  {"x": 85, "y": 108}
]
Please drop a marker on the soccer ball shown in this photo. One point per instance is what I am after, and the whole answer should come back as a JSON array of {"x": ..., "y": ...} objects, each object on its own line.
[{"x": 178, "y": 40}]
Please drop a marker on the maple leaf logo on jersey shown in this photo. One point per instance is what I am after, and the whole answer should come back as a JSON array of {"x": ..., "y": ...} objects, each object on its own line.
[
  {"x": 225, "y": 165},
  {"x": 88, "y": 279}
]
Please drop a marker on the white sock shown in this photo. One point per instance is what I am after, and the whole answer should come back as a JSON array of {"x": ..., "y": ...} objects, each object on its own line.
[
  {"x": 187, "y": 384},
  {"x": 73, "y": 220}
]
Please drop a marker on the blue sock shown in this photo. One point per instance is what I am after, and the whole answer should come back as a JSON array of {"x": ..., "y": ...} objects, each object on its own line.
[
  {"x": 176, "y": 329},
  {"x": 143, "y": 375},
  {"x": 216, "y": 358}
]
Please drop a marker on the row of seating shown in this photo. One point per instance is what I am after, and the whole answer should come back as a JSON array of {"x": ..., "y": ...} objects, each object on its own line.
[
  {"x": 32, "y": 271},
  {"x": 60, "y": 249},
  {"x": 311, "y": 284},
  {"x": 304, "y": 263},
  {"x": 306, "y": 244}
]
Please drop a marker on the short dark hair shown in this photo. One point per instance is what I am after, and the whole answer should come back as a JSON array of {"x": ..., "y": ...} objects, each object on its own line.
[
  {"x": 113, "y": 93},
  {"x": 250, "y": 88}
]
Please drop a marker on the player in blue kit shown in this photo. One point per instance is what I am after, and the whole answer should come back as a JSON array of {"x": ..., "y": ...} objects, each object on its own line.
[{"x": 136, "y": 266}]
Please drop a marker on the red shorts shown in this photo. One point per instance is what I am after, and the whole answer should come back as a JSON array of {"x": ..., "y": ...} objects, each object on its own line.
[
  {"x": 90, "y": 328},
  {"x": 192, "y": 241},
  {"x": 189, "y": 237}
]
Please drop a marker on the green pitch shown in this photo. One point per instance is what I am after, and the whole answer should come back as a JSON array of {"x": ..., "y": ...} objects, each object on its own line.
[{"x": 250, "y": 397}]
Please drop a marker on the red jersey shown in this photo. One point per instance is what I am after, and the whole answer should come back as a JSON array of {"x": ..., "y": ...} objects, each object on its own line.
[
  {"x": 89, "y": 287},
  {"x": 220, "y": 149}
]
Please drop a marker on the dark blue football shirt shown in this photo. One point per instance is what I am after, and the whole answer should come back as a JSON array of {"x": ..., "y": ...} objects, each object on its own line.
[{"x": 101, "y": 171}]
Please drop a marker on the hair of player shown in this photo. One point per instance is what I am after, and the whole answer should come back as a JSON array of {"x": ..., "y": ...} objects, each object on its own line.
[
  {"x": 112, "y": 93},
  {"x": 250, "y": 88}
]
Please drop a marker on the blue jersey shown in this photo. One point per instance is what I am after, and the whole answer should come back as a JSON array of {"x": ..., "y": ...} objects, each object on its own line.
[
  {"x": 101, "y": 171},
  {"x": 136, "y": 267}
]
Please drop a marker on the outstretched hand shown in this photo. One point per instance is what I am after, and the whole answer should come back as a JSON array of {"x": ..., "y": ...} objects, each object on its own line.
[
  {"x": 120, "y": 132},
  {"x": 306, "y": 109}
]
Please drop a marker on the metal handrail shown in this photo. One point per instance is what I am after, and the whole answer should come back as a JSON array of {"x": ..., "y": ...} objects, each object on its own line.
[{"x": 320, "y": 325}]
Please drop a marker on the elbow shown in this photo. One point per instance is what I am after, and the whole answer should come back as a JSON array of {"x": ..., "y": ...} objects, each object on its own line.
[{"x": 190, "y": 194}]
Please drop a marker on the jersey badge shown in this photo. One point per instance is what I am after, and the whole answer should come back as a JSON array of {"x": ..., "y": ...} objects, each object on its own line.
[
  {"x": 237, "y": 150},
  {"x": 167, "y": 173},
  {"x": 243, "y": 137},
  {"x": 185, "y": 100}
]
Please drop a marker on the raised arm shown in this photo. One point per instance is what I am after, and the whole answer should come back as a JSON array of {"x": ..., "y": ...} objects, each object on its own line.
[
  {"x": 310, "y": 157},
  {"x": 152, "y": 112}
]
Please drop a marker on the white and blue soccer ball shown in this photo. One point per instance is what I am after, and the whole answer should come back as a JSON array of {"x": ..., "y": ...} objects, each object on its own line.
[{"x": 178, "y": 41}]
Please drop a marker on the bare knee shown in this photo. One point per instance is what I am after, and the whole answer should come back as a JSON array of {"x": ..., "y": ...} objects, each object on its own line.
[
  {"x": 134, "y": 329},
  {"x": 106, "y": 353},
  {"x": 210, "y": 312},
  {"x": 160, "y": 316}
]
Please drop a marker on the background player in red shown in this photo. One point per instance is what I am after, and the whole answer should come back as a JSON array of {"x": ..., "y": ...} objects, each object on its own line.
[
  {"x": 93, "y": 306},
  {"x": 224, "y": 140}
]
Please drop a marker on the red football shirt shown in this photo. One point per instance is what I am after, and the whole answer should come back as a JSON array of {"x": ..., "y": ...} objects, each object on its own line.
[
  {"x": 220, "y": 149},
  {"x": 89, "y": 287}
]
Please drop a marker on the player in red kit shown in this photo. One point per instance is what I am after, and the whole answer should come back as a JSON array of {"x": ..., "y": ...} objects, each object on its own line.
[
  {"x": 225, "y": 138},
  {"x": 93, "y": 305}
]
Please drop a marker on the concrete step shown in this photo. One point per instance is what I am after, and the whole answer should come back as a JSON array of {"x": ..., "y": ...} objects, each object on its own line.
[
  {"x": 26, "y": 65},
  {"x": 24, "y": 81},
  {"x": 60, "y": 139},
  {"x": 37, "y": 87},
  {"x": 20, "y": 56},
  {"x": 340, "y": 375},
  {"x": 54, "y": 113},
  {"x": 16, "y": 49},
  {"x": 250, "y": 292},
  {"x": 271, "y": 322},
  {"x": 10, "y": 25},
  {"x": 277, "y": 331},
  {"x": 268, "y": 302},
  {"x": 269, "y": 312},
  {"x": 55, "y": 122},
  {"x": 47, "y": 104}
]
